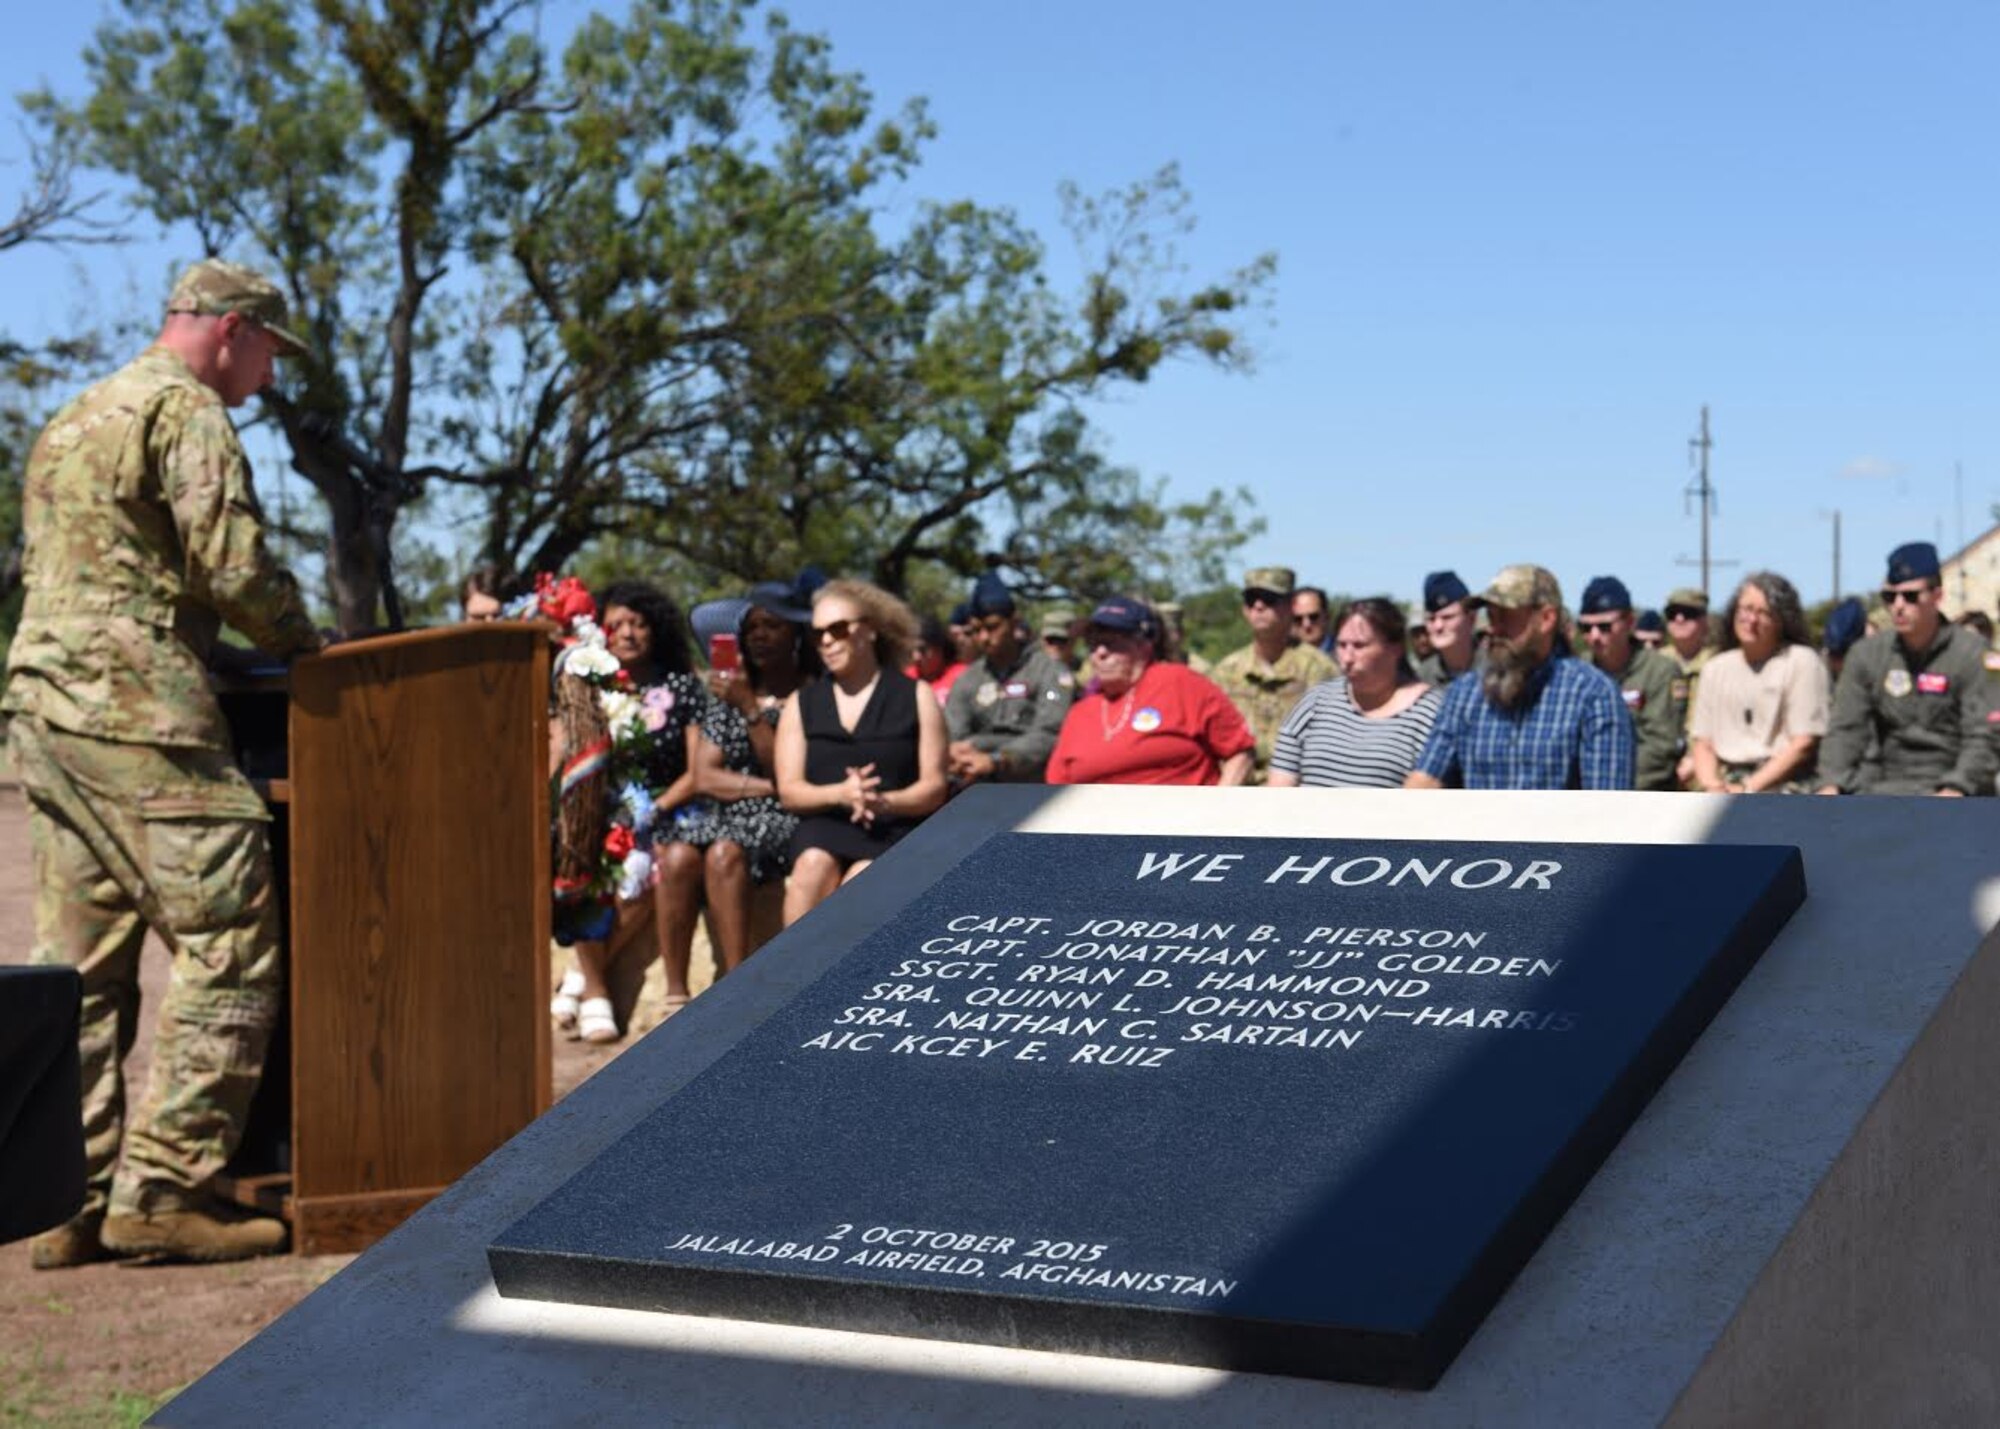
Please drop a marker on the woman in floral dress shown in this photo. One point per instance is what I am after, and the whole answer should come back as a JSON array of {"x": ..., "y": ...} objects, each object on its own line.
[
  {"x": 736, "y": 821},
  {"x": 652, "y": 704}
]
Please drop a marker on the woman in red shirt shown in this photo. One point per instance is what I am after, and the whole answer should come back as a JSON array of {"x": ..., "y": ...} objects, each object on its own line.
[{"x": 1149, "y": 722}]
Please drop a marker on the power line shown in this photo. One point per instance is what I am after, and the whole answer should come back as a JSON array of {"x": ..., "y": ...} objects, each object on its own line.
[{"x": 1703, "y": 491}]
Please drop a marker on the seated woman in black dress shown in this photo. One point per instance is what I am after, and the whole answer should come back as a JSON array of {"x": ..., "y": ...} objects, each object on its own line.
[{"x": 861, "y": 749}]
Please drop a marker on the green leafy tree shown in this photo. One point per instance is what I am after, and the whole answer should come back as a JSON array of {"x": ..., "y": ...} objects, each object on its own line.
[
  {"x": 643, "y": 295},
  {"x": 322, "y": 143},
  {"x": 940, "y": 417},
  {"x": 34, "y": 375}
]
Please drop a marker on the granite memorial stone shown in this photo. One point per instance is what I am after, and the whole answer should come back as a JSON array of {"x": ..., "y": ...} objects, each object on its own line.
[{"x": 1302, "y": 1107}]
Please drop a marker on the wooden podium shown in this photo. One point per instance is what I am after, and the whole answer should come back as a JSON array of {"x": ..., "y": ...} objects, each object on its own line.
[{"x": 409, "y": 779}]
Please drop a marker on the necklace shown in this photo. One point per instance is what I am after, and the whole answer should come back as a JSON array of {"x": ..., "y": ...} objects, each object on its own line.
[{"x": 1124, "y": 713}]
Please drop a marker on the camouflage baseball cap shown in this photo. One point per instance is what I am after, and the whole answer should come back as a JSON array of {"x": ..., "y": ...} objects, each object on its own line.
[
  {"x": 1688, "y": 597},
  {"x": 213, "y": 287},
  {"x": 1056, "y": 624},
  {"x": 1279, "y": 580},
  {"x": 1519, "y": 586}
]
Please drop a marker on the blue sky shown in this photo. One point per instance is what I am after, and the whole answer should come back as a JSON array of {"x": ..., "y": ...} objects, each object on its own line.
[{"x": 1519, "y": 246}]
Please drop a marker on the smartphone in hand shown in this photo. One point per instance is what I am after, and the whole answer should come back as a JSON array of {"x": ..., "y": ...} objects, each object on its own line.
[{"x": 722, "y": 654}]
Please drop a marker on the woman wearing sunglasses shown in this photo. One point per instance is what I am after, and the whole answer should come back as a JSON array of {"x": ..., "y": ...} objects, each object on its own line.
[
  {"x": 861, "y": 750},
  {"x": 1148, "y": 721}
]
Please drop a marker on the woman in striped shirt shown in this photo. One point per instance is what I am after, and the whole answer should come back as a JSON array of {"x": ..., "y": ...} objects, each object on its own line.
[{"x": 1365, "y": 729}]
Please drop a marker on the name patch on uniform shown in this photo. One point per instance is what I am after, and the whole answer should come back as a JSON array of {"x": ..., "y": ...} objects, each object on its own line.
[
  {"x": 1897, "y": 683},
  {"x": 1016, "y": 690},
  {"x": 1933, "y": 683},
  {"x": 1146, "y": 720},
  {"x": 1635, "y": 700}
]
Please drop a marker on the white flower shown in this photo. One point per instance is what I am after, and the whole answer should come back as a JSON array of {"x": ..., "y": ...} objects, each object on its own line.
[
  {"x": 619, "y": 706},
  {"x": 591, "y": 661},
  {"x": 635, "y": 874}
]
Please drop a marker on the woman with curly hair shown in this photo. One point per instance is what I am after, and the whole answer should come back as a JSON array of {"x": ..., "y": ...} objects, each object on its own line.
[
  {"x": 1765, "y": 700},
  {"x": 860, "y": 750},
  {"x": 643, "y": 632}
]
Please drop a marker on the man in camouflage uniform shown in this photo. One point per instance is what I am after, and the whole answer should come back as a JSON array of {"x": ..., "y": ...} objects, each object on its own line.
[
  {"x": 1687, "y": 648},
  {"x": 1005, "y": 711},
  {"x": 1916, "y": 697},
  {"x": 1268, "y": 676},
  {"x": 1644, "y": 678},
  {"x": 143, "y": 535},
  {"x": 1059, "y": 637}
]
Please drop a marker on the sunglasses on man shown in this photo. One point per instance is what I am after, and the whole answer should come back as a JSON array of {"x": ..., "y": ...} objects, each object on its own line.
[
  {"x": 1263, "y": 597},
  {"x": 1908, "y": 597}
]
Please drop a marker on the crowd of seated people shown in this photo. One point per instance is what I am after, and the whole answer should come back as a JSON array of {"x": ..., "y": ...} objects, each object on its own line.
[{"x": 830, "y": 719}]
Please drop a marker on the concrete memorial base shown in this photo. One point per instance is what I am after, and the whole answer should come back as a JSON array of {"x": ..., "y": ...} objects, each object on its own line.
[{"x": 1801, "y": 1226}]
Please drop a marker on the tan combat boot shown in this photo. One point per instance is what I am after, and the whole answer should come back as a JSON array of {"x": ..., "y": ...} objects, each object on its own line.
[
  {"x": 215, "y": 1232},
  {"x": 75, "y": 1242}
]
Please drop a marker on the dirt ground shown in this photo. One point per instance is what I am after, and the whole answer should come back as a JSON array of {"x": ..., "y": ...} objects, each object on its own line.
[{"x": 108, "y": 1344}]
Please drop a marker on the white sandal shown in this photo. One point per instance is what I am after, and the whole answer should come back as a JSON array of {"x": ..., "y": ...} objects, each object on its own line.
[
  {"x": 594, "y": 1021},
  {"x": 566, "y": 1004}
]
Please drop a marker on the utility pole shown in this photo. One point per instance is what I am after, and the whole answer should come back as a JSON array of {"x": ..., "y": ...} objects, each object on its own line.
[
  {"x": 1701, "y": 491},
  {"x": 1836, "y": 554}
]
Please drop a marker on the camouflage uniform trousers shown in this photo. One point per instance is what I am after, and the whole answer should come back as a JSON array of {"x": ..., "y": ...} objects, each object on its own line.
[{"x": 127, "y": 835}]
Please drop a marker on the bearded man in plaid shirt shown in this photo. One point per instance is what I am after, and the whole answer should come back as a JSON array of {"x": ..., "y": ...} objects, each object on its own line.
[{"x": 1533, "y": 717}]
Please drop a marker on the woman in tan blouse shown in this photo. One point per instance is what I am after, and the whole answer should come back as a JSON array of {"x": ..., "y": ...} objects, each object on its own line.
[{"x": 1764, "y": 700}]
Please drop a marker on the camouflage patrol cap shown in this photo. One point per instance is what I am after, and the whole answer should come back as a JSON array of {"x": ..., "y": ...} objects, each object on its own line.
[
  {"x": 1688, "y": 597},
  {"x": 214, "y": 286},
  {"x": 1279, "y": 580},
  {"x": 1056, "y": 624},
  {"x": 1519, "y": 586}
]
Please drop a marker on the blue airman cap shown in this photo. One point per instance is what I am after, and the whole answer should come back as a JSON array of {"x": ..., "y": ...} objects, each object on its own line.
[
  {"x": 990, "y": 596},
  {"x": 1127, "y": 613},
  {"x": 961, "y": 613},
  {"x": 1441, "y": 588},
  {"x": 1603, "y": 595},
  {"x": 1917, "y": 561},
  {"x": 1649, "y": 621},
  {"x": 1845, "y": 624}
]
